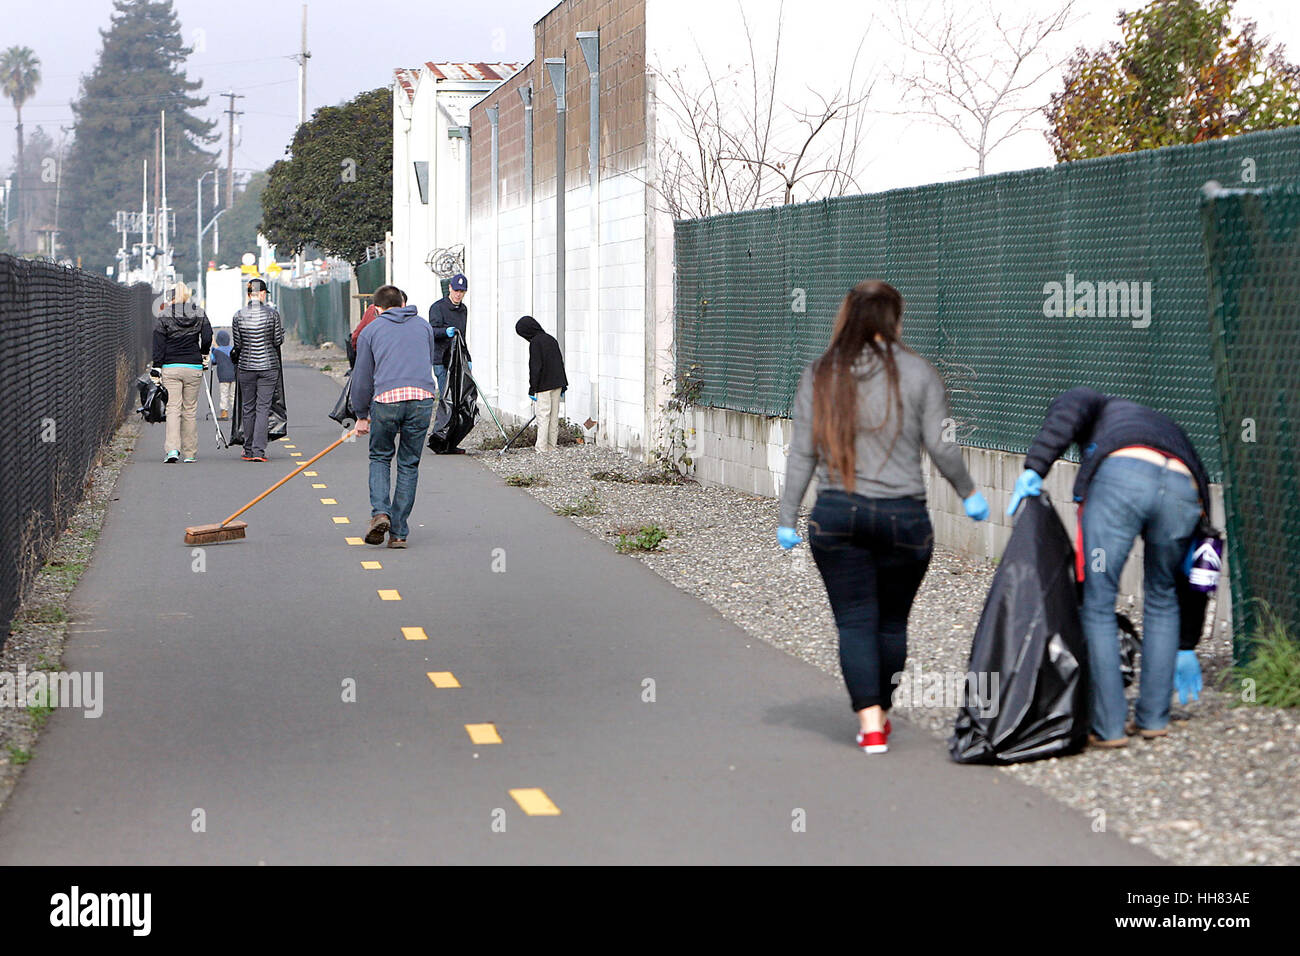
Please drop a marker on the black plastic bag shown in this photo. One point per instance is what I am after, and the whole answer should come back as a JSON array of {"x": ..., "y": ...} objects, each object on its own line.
[
  {"x": 458, "y": 404},
  {"x": 153, "y": 399},
  {"x": 277, "y": 425},
  {"x": 1028, "y": 652},
  {"x": 342, "y": 412}
]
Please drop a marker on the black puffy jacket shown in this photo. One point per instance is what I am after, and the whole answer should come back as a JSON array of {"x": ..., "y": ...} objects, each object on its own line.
[{"x": 182, "y": 335}]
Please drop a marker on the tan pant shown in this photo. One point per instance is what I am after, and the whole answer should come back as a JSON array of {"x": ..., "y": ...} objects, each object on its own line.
[
  {"x": 182, "y": 386},
  {"x": 227, "y": 392},
  {"x": 548, "y": 419}
]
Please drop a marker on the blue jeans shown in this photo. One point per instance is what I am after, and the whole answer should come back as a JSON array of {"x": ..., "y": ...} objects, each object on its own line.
[
  {"x": 872, "y": 554},
  {"x": 1128, "y": 497},
  {"x": 396, "y": 427},
  {"x": 440, "y": 376}
]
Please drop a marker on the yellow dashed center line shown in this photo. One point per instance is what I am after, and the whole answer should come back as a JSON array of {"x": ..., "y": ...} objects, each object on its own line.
[
  {"x": 389, "y": 595},
  {"x": 372, "y": 565},
  {"x": 341, "y": 520},
  {"x": 355, "y": 540},
  {"x": 290, "y": 446},
  {"x": 483, "y": 733},
  {"x": 328, "y": 501},
  {"x": 413, "y": 633},
  {"x": 295, "y": 454},
  {"x": 445, "y": 679},
  {"x": 310, "y": 474},
  {"x": 319, "y": 485},
  {"x": 534, "y": 802}
]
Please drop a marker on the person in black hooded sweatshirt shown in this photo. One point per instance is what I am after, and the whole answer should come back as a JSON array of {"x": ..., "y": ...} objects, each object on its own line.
[{"x": 546, "y": 380}]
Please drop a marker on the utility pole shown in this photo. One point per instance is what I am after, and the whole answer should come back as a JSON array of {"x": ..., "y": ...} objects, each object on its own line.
[
  {"x": 302, "y": 58},
  {"x": 231, "y": 112}
]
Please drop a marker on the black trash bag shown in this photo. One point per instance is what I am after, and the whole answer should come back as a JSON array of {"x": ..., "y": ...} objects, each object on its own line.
[
  {"x": 342, "y": 412},
  {"x": 277, "y": 425},
  {"x": 1028, "y": 652},
  {"x": 458, "y": 405},
  {"x": 153, "y": 399},
  {"x": 1130, "y": 645}
]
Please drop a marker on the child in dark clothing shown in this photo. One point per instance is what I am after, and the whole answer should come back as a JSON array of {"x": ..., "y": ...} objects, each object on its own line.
[{"x": 225, "y": 366}]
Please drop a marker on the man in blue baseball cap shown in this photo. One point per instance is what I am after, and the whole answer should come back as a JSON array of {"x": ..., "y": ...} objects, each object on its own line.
[{"x": 448, "y": 317}]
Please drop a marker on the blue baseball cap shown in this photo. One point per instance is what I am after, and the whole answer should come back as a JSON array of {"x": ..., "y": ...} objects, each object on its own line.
[{"x": 459, "y": 283}]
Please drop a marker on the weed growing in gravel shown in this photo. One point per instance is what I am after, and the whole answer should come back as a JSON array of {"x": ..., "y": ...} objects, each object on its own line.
[
  {"x": 46, "y": 614},
  {"x": 18, "y": 755},
  {"x": 43, "y": 663},
  {"x": 586, "y": 506},
  {"x": 524, "y": 481},
  {"x": 1273, "y": 672},
  {"x": 40, "y": 711},
  {"x": 610, "y": 476},
  {"x": 648, "y": 538}
]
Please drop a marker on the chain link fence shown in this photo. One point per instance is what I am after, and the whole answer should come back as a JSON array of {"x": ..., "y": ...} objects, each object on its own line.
[
  {"x": 1018, "y": 286},
  {"x": 317, "y": 313},
  {"x": 1252, "y": 244},
  {"x": 71, "y": 347}
]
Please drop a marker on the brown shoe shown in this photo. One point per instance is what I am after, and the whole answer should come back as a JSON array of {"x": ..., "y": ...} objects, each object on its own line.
[
  {"x": 224, "y": 415},
  {"x": 1132, "y": 729},
  {"x": 378, "y": 528},
  {"x": 396, "y": 542},
  {"x": 1095, "y": 741}
]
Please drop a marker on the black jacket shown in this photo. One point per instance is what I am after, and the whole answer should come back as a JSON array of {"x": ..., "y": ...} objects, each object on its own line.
[
  {"x": 545, "y": 363},
  {"x": 182, "y": 335},
  {"x": 443, "y": 315},
  {"x": 1101, "y": 424}
]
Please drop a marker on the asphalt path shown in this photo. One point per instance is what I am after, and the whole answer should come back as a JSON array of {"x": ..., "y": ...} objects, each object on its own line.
[{"x": 263, "y": 704}]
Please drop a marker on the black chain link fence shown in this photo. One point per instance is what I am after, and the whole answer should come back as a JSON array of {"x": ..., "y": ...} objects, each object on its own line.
[
  {"x": 71, "y": 347},
  {"x": 1252, "y": 243}
]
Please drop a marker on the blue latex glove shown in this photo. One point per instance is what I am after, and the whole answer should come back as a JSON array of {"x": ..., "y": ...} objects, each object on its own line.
[
  {"x": 533, "y": 397},
  {"x": 1187, "y": 676},
  {"x": 1030, "y": 482},
  {"x": 977, "y": 509},
  {"x": 451, "y": 331},
  {"x": 787, "y": 538}
]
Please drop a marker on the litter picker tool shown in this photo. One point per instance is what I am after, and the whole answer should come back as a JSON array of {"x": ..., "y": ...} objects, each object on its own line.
[
  {"x": 486, "y": 403},
  {"x": 221, "y": 439},
  {"x": 512, "y": 438},
  {"x": 232, "y": 530}
]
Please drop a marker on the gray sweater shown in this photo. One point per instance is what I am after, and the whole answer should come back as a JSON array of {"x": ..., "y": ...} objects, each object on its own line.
[{"x": 880, "y": 473}]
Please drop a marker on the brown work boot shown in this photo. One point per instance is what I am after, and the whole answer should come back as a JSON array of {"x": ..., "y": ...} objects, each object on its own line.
[
  {"x": 1095, "y": 741},
  {"x": 396, "y": 542},
  {"x": 378, "y": 528}
]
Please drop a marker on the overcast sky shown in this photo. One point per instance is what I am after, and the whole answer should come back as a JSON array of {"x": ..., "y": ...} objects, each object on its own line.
[{"x": 247, "y": 45}]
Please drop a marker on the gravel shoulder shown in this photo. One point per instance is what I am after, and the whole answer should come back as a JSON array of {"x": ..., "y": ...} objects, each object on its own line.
[
  {"x": 39, "y": 629},
  {"x": 1220, "y": 790}
]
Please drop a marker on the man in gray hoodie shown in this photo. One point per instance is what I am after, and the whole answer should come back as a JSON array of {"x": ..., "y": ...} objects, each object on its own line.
[{"x": 392, "y": 396}]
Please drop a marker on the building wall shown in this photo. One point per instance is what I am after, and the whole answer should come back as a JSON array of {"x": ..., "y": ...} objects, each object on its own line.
[{"x": 606, "y": 288}]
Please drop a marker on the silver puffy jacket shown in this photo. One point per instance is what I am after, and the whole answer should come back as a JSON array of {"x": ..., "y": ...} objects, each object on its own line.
[{"x": 258, "y": 332}]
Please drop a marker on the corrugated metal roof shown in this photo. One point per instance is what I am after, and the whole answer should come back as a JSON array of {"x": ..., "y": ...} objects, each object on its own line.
[{"x": 408, "y": 77}]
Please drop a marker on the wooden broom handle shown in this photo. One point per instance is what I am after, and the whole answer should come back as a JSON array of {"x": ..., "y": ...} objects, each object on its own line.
[{"x": 305, "y": 464}]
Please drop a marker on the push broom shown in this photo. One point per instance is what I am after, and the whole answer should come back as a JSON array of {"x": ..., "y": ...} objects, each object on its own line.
[{"x": 232, "y": 530}]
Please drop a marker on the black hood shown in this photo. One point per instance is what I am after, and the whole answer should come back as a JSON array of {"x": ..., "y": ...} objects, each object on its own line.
[
  {"x": 528, "y": 327},
  {"x": 182, "y": 317}
]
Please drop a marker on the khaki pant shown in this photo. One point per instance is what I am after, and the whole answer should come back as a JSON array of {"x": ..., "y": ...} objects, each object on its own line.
[
  {"x": 182, "y": 386},
  {"x": 548, "y": 419},
  {"x": 227, "y": 392}
]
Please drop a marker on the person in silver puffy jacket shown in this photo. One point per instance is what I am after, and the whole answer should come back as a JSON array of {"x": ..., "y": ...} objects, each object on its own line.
[{"x": 258, "y": 332}]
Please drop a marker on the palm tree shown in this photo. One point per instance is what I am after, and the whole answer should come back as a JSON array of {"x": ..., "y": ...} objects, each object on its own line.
[{"x": 20, "y": 74}]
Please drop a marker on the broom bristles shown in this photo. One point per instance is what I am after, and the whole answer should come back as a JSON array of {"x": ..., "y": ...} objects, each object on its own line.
[{"x": 215, "y": 533}]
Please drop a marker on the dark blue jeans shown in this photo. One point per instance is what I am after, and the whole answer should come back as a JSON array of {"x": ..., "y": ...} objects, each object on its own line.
[
  {"x": 1128, "y": 497},
  {"x": 872, "y": 554},
  {"x": 396, "y": 427}
]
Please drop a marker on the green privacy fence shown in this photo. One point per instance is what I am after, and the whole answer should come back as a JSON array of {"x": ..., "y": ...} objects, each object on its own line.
[
  {"x": 1018, "y": 286},
  {"x": 316, "y": 314},
  {"x": 1252, "y": 244},
  {"x": 370, "y": 276}
]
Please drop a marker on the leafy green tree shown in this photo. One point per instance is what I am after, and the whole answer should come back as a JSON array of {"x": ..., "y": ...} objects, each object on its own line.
[
  {"x": 140, "y": 72},
  {"x": 336, "y": 192},
  {"x": 20, "y": 74},
  {"x": 1184, "y": 73}
]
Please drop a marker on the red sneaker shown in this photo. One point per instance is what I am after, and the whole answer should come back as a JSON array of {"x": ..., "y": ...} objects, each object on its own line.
[
  {"x": 873, "y": 743},
  {"x": 888, "y": 728}
]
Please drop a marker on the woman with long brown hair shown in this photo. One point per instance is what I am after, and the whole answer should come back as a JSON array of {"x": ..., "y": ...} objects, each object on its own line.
[{"x": 862, "y": 414}]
